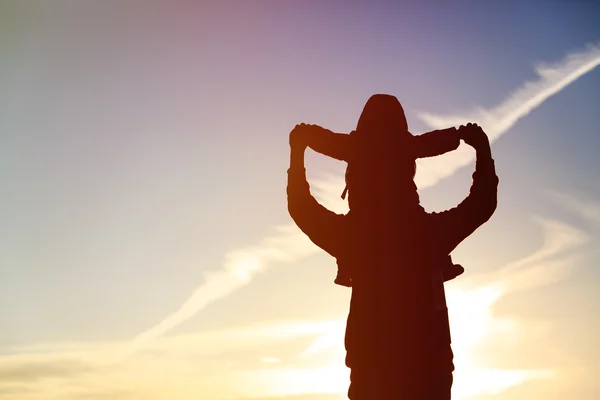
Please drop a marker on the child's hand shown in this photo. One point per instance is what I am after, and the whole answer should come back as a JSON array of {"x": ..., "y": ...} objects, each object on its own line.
[
  {"x": 474, "y": 136},
  {"x": 299, "y": 137},
  {"x": 305, "y": 134}
]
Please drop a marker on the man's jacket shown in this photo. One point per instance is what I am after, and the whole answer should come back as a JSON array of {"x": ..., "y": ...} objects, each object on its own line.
[{"x": 398, "y": 314}]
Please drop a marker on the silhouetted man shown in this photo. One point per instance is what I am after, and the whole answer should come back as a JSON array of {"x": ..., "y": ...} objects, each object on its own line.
[{"x": 397, "y": 335}]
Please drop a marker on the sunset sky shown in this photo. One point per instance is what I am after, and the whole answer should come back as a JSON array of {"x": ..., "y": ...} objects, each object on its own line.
[{"x": 146, "y": 250}]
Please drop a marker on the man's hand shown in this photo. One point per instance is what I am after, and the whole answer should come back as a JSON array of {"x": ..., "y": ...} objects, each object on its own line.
[{"x": 474, "y": 136}]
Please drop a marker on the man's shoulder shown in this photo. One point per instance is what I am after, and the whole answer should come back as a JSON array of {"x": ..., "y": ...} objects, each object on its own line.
[{"x": 433, "y": 219}]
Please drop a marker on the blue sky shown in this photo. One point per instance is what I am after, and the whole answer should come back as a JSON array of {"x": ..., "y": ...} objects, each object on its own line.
[{"x": 144, "y": 150}]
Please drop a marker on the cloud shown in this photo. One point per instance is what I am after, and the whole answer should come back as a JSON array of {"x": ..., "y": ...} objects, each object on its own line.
[
  {"x": 552, "y": 78},
  {"x": 478, "y": 332},
  {"x": 41, "y": 369},
  {"x": 550, "y": 263},
  {"x": 587, "y": 209},
  {"x": 289, "y": 244},
  {"x": 227, "y": 363}
]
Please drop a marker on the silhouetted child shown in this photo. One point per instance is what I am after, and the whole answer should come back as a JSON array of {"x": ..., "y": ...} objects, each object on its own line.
[{"x": 346, "y": 147}]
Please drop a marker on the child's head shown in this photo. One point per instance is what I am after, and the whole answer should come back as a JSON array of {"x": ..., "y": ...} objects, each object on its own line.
[
  {"x": 381, "y": 155},
  {"x": 383, "y": 114},
  {"x": 380, "y": 171}
]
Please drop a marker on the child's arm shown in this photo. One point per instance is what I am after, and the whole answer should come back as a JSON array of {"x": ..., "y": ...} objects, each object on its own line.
[{"x": 435, "y": 143}]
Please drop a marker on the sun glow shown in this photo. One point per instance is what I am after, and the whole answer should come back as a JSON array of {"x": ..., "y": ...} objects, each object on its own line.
[{"x": 472, "y": 324}]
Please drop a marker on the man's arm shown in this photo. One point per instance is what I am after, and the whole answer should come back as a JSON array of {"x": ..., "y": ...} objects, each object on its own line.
[
  {"x": 453, "y": 226},
  {"x": 321, "y": 225}
]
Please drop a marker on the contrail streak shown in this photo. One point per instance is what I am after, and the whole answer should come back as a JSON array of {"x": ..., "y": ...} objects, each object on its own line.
[
  {"x": 287, "y": 245},
  {"x": 552, "y": 78}
]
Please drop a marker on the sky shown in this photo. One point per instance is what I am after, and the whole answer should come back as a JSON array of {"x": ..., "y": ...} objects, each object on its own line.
[{"x": 146, "y": 249}]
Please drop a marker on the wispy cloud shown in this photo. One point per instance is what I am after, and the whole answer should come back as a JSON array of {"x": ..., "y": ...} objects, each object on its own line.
[
  {"x": 478, "y": 330},
  {"x": 289, "y": 244},
  {"x": 552, "y": 78},
  {"x": 232, "y": 363},
  {"x": 41, "y": 369},
  {"x": 585, "y": 208},
  {"x": 550, "y": 263}
]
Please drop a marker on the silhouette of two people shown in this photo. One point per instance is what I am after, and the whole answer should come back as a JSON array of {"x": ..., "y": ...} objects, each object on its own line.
[{"x": 392, "y": 253}]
